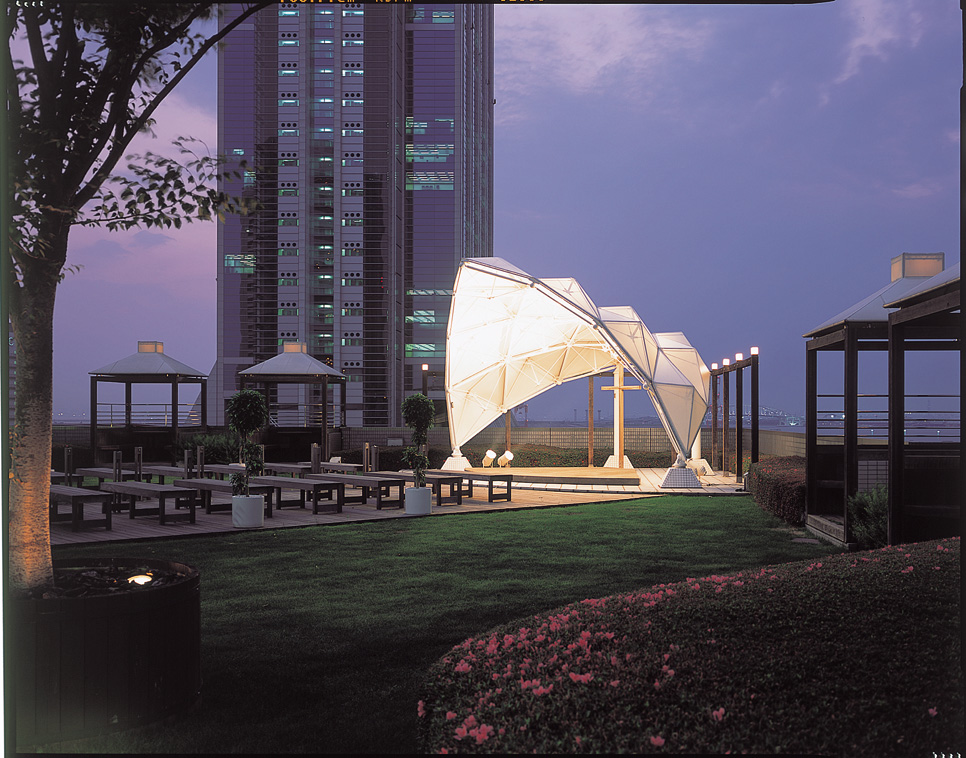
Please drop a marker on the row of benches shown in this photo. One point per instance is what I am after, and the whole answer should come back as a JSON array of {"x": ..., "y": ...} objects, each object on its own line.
[{"x": 186, "y": 491}]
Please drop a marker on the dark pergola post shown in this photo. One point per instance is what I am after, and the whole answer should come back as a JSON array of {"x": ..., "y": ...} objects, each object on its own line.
[
  {"x": 897, "y": 413},
  {"x": 127, "y": 404},
  {"x": 93, "y": 428},
  {"x": 325, "y": 419},
  {"x": 811, "y": 429},
  {"x": 739, "y": 424},
  {"x": 851, "y": 402},
  {"x": 725, "y": 414},
  {"x": 204, "y": 405},
  {"x": 590, "y": 421},
  {"x": 714, "y": 416},
  {"x": 174, "y": 416}
]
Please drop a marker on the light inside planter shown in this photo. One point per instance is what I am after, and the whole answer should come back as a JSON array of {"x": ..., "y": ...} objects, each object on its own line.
[{"x": 140, "y": 579}]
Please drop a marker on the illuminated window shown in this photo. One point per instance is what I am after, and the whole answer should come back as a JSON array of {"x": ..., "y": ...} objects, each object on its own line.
[
  {"x": 240, "y": 264},
  {"x": 287, "y": 101}
]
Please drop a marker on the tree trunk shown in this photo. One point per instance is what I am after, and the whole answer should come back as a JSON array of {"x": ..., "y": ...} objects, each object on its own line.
[{"x": 32, "y": 318}]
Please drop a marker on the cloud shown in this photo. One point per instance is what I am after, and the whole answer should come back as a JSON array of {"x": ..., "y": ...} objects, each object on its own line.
[
  {"x": 876, "y": 28},
  {"x": 581, "y": 50},
  {"x": 920, "y": 189}
]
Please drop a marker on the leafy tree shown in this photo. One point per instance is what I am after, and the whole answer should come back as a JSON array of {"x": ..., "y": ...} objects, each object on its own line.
[{"x": 95, "y": 74}]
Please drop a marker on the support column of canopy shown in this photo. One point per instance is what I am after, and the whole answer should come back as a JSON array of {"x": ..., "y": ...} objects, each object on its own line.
[{"x": 618, "y": 459}]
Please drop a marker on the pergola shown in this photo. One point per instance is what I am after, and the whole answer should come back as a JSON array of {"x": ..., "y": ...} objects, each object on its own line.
[
  {"x": 295, "y": 366},
  {"x": 833, "y": 466},
  {"x": 149, "y": 365}
]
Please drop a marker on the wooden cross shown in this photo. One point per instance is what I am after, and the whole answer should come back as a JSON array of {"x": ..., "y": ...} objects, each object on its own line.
[{"x": 618, "y": 389}]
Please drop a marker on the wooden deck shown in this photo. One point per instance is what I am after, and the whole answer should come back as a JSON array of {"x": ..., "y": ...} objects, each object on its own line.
[{"x": 589, "y": 489}]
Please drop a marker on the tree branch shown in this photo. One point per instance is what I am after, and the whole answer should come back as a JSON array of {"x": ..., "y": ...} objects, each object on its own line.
[{"x": 85, "y": 193}]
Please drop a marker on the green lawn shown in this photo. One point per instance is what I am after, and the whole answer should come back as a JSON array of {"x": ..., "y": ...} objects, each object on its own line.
[{"x": 317, "y": 639}]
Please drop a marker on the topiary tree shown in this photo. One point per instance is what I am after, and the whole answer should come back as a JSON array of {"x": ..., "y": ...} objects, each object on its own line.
[
  {"x": 419, "y": 414},
  {"x": 246, "y": 413}
]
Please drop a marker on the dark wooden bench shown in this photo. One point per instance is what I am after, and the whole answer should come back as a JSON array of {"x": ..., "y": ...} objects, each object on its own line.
[
  {"x": 294, "y": 469},
  {"x": 163, "y": 493},
  {"x": 436, "y": 481},
  {"x": 101, "y": 474},
  {"x": 469, "y": 476},
  {"x": 160, "y": 472},
  {"x": 221, "y": 470},
  {"x": 207, "y": 486},
  {"x": 76, "y": 497},
  {"x": 371, "y": 486},
  {"x": 338, "y": 468},
  {"x": 304, "y": 485}
]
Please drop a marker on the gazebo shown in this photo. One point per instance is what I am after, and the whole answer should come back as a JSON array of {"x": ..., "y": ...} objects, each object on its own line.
[
  {"x": 295, "y": 366},
  {"x": 925, "y": 475},
  {"x": 840, "y": 465},
  {"x": 149, "y": 365}
]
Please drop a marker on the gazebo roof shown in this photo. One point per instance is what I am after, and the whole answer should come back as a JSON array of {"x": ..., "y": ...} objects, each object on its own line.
[
  {"x": 928, "y": 287},
  {"x": 148, "y": 361},
  {"x": 292, "y": 365},
  {"x": 876, "y": 307}
]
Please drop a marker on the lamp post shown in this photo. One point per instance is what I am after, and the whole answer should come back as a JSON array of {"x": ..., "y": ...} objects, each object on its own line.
[
  {"x": 714, "y": 414},
  {"x": 754, "y": 405},
  {"x": 725, "y": 415},
  {"x": 426, "y": 379}
]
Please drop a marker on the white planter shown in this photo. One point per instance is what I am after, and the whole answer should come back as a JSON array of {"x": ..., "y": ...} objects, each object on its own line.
[
  {"x": 248, "y": 511},
  {"x": 419, "y": 500}
]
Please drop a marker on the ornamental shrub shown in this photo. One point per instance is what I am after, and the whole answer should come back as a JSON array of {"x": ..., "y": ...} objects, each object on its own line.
[
  {"x": 869, "y": 517},
  {"x": 778, "y": 486}
]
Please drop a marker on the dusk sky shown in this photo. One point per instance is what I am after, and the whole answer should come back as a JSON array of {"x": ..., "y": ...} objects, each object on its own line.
[{"x": 737, "y": 173}]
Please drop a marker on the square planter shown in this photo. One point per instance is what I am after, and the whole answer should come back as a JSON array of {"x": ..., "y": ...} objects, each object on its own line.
[
  {"x": 248, "y": 511},
  {"x": 419, "y": 501}
]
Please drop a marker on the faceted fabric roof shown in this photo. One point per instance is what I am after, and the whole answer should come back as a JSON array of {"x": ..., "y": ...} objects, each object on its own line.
[{"x": 512, "y": 336}]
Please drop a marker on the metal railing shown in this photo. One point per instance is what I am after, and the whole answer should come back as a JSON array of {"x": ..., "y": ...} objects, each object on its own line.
[{"x": 147, "y": 414}]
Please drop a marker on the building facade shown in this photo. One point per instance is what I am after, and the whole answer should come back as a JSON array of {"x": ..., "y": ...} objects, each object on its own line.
[{"x": 365, "y": 134}]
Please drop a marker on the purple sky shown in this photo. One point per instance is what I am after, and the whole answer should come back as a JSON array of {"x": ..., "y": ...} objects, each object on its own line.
[{"x": 738, "y": 173}]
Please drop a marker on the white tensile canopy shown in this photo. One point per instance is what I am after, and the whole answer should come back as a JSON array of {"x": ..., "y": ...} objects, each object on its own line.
[{"x": 511, "y": 337}]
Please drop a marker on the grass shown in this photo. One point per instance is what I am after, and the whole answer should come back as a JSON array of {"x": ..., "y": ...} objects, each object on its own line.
[{"x": 318, "y": 639}]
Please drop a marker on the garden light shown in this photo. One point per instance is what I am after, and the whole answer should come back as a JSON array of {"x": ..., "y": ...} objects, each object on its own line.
[
  {"x": 754, "y": 351},
  {"x": 140, "y": 579},
  {"x": 504, "y": 460},
  {"x": 488, "y": 458},
  {"x": 739, "y": 357}
]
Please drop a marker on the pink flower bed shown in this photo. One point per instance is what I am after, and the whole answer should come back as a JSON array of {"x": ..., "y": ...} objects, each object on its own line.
[{"x": 711, "y": 664}]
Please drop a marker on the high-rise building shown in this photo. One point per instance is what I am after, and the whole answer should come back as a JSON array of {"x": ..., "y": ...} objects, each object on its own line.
[{"x": 367, "y": 136}]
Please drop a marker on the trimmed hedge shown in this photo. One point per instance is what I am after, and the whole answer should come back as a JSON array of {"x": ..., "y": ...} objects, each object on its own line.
[
  {"x": 778, "y": 486},
  {"x": 806, "y": 658},
  {"x": 524, "y": 456}
]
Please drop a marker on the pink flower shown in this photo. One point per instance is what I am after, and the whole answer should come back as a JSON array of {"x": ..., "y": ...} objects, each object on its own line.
[
  {"x": 577, "y": 740},
  {"x": 463, "y": 667},
  {"x": 718, "y": 714},
  {"x": 420, "y": 710},
  {"x": 657, "y": 684},
  {"x": 657, "y": 741},
  {"x": 483, "y": 733},
  {"x": 450, "y": 715},
  {"x": 583, "y": 678},
  {"x": 933, "y": 711},
  {"x": 461, "y": 732}
]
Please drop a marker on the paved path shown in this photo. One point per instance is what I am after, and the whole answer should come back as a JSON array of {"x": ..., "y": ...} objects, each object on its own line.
[{"x": 525, "y": 495}]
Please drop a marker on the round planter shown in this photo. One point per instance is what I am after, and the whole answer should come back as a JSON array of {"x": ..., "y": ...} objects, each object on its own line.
[
  {"x": 248, "y": 511},
  {"x": 101, "y": 663},
  {"x": 419, "y": 501}
]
